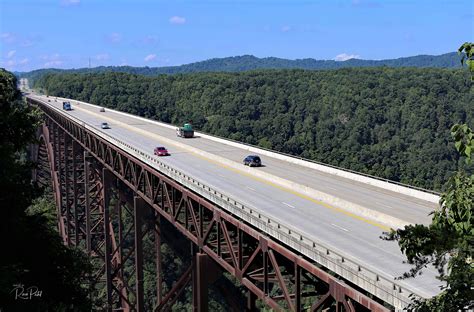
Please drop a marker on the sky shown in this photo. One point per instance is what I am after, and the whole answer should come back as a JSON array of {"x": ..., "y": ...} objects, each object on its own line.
[{"x": 71, "y": 33}]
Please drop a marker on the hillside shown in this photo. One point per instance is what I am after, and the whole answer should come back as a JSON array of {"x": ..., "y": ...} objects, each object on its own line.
[
  {"x": 250, "y": 62},
  {"x": 393, "y": 123}
]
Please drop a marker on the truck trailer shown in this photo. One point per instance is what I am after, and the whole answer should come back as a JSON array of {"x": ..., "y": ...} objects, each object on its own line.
[{"x": 186, "y": 131}]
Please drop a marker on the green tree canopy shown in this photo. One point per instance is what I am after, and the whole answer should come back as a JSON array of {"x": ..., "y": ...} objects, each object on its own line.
[
  {"x": 447, "y": 243},
  {"x": 32, "y": 253}
]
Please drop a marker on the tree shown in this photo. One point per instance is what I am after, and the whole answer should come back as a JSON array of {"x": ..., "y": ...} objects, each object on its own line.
[
  {"x": 33, "y": 256},
  {"x": 467, "y": 51},
  {"x": 448, "y": 242}
]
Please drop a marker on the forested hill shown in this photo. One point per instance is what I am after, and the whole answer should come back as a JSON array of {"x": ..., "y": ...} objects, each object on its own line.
[
  {"x": 250, "y": 62},
  {"x": 393, "y": 123}
]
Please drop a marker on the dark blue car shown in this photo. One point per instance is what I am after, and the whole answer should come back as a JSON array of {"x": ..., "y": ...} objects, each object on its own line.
[{"x": 252, "y": 161}]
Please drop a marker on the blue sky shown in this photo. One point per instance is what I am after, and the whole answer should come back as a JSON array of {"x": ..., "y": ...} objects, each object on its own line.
[{"x": 67, "y": 33}]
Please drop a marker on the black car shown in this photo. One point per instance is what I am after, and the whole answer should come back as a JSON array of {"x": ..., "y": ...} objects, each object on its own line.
[{"x": 252, "y": 161}]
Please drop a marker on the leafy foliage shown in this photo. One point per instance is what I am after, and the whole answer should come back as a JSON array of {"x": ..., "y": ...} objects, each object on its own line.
[
  {"x": 447, "y": 243},
  {"x": 33, "y": 254},
  {"x": 467, "y": 52},
  {"x": 250, "y": 62},
  {"x": 393, "y": 123},
  {"x": 464, "y": 138}
]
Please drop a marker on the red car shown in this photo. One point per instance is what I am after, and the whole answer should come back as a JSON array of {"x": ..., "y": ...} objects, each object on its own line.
[{"x": 161, "y": 151}]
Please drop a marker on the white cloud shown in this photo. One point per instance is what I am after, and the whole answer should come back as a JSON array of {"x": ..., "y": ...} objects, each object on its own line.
[
  {"x": 150, "y": 40},
  {"x": 9, "y": 63},
  {"x": 11, "y": 53},
  {"x": 366, "y": 4},
  {"x": 13, "y": 64},
  {"x": 150, "y": 57},
  {"x": 70, "y": 2},
  {"x": 114, "y": 38},
  {"x": 7, "y": 37},
  {"x": 102, "y": 57},
  {"x": 177, "y": 20},
  {"x": 27, "y": 43},
  {"x": 54, "y": 56},
  {"x": 286, "y": 28},
  {"x": 52, "y": 60},
  {"x": 345, "y": 57},
  {"x": 53, "y": 63},
  {"x": 22, "y": 41}
]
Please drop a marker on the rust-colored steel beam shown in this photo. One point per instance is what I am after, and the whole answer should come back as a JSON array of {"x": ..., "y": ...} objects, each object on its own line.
[
  {"x": 139, "y": 210},
  {"x": 176, "y": 290},
  {"x": 274, "y": 273},
  {"x": 200, "y": 283}
]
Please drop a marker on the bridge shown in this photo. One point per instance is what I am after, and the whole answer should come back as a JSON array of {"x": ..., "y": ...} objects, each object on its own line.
[{"x": 296, "y": 234}]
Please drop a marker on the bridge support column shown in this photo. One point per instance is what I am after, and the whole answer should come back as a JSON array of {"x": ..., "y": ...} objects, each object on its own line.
[
  {"x": 78, "y": 192},
  {"x": 139, "y": 206},
  {"x": 107, "y": 179},
  {"x": 297, "y": 288},
  {"x": 204, "y": 273},
  {"x": 200, "y": 301},
  {"x": 251, "y": 300},
  {"x": 87, "y": 173},
  {"x": 159, "y": 271},
  {"x": 68, "y": 184}
]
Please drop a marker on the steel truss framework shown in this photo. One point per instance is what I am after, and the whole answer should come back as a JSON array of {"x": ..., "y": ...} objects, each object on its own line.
[{"x": 98, "y": 185}]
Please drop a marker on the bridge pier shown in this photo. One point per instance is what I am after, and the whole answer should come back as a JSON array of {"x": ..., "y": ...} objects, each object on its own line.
[
  {"x": 139, "y": 207},
  {"x": 159, "y": 274},
  {"x": 200, "y": 283},
  {"x": 251, "y": 302},
  {"x": 205, "y": 272}
]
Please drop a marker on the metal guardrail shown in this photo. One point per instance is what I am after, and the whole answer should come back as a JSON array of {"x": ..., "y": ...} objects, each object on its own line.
[{"x": 336, "y": 261}]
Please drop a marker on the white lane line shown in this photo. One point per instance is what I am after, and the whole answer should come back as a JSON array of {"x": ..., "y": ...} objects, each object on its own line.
[
  {"x": 288, "y": 205},
  {"x": 222, "y": 176},
  {"x": 339, "y": 227},
  {"x": 252, "y": 189}
]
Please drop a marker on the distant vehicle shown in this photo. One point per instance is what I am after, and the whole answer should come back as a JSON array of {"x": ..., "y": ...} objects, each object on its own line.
[
  {"x": 102, "y": 109},
  {"x": 186, "y": 131},
  {"x": 160, "y": 151},
  {"x": 67, "y": 106},
  {"x": 252, "y": 161},
  {"x": 104, "y": 125}
]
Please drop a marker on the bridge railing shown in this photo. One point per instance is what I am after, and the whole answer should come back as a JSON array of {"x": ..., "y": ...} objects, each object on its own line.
[{"x": 335, "y": 260}]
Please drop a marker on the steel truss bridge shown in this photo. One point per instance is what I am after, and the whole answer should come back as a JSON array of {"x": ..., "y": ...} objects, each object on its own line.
[{"x": 110, "y": 200}]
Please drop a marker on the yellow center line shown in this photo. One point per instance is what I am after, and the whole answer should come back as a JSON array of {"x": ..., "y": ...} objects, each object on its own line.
[{"x": 287, "y": 190}]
